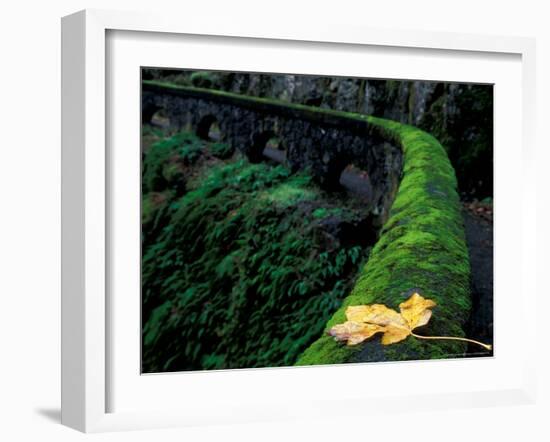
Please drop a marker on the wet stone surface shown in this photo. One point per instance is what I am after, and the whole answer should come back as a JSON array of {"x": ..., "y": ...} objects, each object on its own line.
[{"x": 479, "y": 237}]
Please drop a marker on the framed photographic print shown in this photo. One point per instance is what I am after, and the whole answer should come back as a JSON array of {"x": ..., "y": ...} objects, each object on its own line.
[{"x": 251, "y": 213}]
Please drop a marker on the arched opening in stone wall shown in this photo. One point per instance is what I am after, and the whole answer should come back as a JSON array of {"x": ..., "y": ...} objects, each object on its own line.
[
  {"x": 314, "y": 100},
  {"x": 357, "y": 181},
  {"x": 275, "y": 150},
  {"x": 160, "y": 119},
  {"x": 147, "y": 112},
  {"x": 154, "y": 115},
  {"x": 209, "y": 129},
  {"x": 267, "y": 145}
]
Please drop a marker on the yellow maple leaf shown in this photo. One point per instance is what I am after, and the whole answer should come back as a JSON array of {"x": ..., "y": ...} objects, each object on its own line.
[
  {"x": 354, "y": 332},
  {"x": 416, "y": 310},
  {"x": 364, "y": 321}
]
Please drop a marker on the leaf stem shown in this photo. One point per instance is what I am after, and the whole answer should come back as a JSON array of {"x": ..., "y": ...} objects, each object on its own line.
[{"x": 453, "y": 338}]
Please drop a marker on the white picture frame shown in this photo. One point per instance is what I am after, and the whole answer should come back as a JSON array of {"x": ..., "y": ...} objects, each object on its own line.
[{"x": 86, "y": 316}]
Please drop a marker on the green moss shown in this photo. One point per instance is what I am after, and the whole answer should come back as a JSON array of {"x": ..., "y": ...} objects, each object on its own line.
[
  {"x": 422, "y": 246},
  {"x": 221, "y": 150},
  {"x": 151, "y": 204},
  {"x": 293, "y": 109},
  {"x": 161, "y": 167},
  {"x": 288, "y": 194}
]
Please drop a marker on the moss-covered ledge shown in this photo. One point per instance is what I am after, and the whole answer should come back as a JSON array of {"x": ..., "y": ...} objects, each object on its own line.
[{"x": 422, "y": 246}]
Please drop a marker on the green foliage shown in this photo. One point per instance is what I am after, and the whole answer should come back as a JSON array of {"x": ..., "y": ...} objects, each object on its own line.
[
  {"x": 156, "y": 209},
  {"x": 148, "y": 130},
  {"x": 149, "y": 136},
  {"x": 221, "y": 150},
  {"x": 165, "y": 175},
  {"x": 202, "y": 79},
  {"x": 164, "y": 163},
  {"x": 324, "y": 212},
  {"x": 160, "y": 164},
  {"x": 242, "y": 273}
]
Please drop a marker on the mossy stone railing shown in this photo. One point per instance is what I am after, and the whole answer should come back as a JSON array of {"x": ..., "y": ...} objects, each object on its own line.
[
  {"x": 270, "y": 106},
  {"x": 421, "y": 246},
  {"x": 323, "y": 141}
]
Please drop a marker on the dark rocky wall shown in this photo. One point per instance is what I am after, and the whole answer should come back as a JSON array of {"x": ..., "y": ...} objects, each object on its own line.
[{"x": 460, "y": 115}]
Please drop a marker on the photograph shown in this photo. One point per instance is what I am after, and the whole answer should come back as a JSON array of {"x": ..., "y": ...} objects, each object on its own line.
[
  {"x": 302, "y": 220},
  {"x": 306, "y": 222}
]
